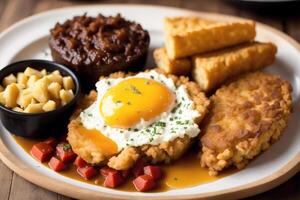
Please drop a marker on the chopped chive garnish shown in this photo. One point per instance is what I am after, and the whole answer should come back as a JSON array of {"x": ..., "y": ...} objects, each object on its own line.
[
  {"x": 154, "y": 130},
  {"x": 66, "y": 147},
  {"x": 162, "y": 124}
]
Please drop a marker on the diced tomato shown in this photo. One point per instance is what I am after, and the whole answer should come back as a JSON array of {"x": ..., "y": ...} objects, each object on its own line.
[
  {"x": 41, "y": 151},
  {"x": 144, "y": 183},
  {"x": 125, "y": 173},
  {"x": 153, "y": 171},
  {"x": 56, "y": 164},
  {"x": 87, "y": 172},
  {"x": 113, "y": 180},
  {"x": 138, "y": 168},
  {"x": 79, "y": 162},
  {"x": 51, "y": 141},
  {"x": 65, "y": 152},
  {"x": 106, "y": 170}
]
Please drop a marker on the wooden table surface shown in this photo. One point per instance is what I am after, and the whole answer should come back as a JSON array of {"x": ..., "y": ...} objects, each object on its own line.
[{"x": 13, "y": 187}]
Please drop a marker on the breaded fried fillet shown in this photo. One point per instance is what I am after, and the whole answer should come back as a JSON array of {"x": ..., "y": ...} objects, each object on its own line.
[
  {"x": 247, "y": 116},
  {"x": 183, "y": 42},
  {"x": 164, "y": 152},
  {"x": 178, "y": 24},
  {"x": 210, "y": 70},
  {"x": 181, "y": 66}
]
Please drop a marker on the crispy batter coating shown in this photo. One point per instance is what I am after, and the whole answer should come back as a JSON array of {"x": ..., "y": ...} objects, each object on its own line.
[
  {"x": 181, "y": 66},
  {"x": 247, "y": 116},
  {"x": 125, "y": 159},
  {"x": 183, "y": 23},
  {"x": 165, "y": 152},
  {"x": 182, "y": 42},
  {"x": 210, "y": 70}
]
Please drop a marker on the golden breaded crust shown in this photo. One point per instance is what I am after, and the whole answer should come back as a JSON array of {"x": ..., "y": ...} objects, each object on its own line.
[
  {"x": 247, "y": 116},
  {"x": 207, "y": 38},
  {"x": 125, "y": 159},
  {"x": 180, "y": 66},
  {"x": 179, "y": 24},
  {"x": 210, "y": 70},
  {"x": 82, "y": 145},
  {"x": 164, "y": 152}
]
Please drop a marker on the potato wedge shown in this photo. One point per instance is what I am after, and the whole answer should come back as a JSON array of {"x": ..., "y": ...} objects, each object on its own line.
[
  {"x": 40, "y": 90},
  {"x": 11, "y": 93},
  {"x": 9, "y": 80},
  {"x": 66, "y": 96}
]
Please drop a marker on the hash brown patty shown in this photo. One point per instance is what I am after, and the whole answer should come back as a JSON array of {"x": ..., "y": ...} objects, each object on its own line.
[
  {"x": 165, "y": 152},
  {"x": 247, "y": 116}
]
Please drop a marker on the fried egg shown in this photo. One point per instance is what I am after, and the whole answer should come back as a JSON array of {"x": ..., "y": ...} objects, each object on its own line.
[{"x": 146, "y": 108}]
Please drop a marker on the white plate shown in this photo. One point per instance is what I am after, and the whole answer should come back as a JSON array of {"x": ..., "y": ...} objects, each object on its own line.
[{"x": 28, "y": 39}]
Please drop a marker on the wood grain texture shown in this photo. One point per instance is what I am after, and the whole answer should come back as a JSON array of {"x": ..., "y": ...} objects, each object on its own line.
[
  {"x": 6, "y": 176},
  {"x": 22, "y": 189},
  {"x": 16, "y": 10},
  {"x": 14, "y": 187}
]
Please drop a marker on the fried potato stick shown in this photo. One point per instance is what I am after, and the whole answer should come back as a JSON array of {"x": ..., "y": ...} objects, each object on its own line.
[
  {"x": 179, "y": 24},
  {"x": 182, "y": 41},
  {"x": 180, "y": 66},
  {"x": 210, "y": 70}
]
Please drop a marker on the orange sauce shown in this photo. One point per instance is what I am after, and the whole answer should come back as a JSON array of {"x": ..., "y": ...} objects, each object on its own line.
[{"x": 183, "y": 173}]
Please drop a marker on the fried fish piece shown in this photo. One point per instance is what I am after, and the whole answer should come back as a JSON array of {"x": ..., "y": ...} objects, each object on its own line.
[
  {"x": 182, "y": 41},
  {"x": 247, "y": 116},
  {"x": 125, "y": 159},
  {"x": 181, "y": 66},
  {"x": 179, "y": 24},
  {"x": 211, "y": 69}
]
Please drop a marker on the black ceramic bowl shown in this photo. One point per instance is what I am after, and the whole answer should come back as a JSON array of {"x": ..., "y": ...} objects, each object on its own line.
[{"x": 38, "y": 125}]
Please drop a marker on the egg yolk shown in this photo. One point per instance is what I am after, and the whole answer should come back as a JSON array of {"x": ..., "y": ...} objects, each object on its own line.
[
  {"x": 107, "y": 146},
  {"x": 127, "y": 103}
]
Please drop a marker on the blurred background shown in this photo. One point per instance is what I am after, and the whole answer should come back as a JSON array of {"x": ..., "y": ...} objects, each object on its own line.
[{"x": 280, "y": 14}]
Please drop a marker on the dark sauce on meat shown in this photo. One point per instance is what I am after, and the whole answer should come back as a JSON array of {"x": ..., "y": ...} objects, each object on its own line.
[{"x": 97, "y": 46}]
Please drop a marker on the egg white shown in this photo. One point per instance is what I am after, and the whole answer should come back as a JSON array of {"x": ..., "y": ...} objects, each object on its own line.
[{"x": 175, "y": 123}]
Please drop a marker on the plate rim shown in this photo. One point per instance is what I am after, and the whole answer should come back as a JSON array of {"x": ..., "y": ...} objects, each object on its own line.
[{"x": 30, "y": 174}]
